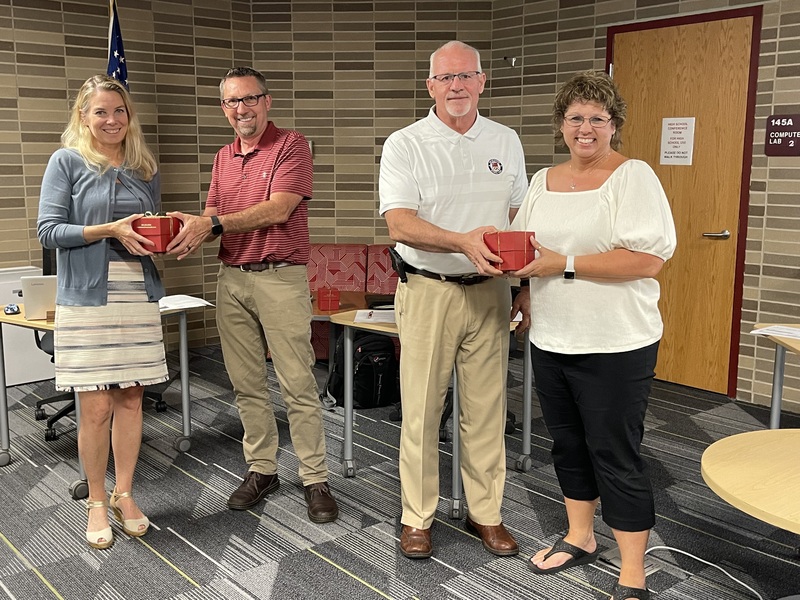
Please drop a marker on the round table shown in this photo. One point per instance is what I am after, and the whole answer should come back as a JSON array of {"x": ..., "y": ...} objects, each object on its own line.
[{"x": 758, "y": 472}]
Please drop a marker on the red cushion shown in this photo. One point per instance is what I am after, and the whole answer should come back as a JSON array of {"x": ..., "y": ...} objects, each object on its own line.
[
  {"x": 381, "y": 277},
  {"x": 340, "y": 266}
]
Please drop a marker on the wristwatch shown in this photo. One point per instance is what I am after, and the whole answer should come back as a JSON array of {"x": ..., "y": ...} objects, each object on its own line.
[
  {"x": 216, "y": 226},
  {"x": 569, "y": 271}
]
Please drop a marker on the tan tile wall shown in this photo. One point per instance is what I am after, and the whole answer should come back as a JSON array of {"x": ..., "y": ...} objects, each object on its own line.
[{"x": 347, "y": 74}]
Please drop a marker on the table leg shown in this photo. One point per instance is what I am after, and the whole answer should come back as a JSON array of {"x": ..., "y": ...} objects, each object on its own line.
[
  {"x": 348, "y": 463},
  {"x": 5, "y": 440},
  {"x": 183, "y": 443},
  {"x": 777, "y": 387},
  {"x": 331, "y": 345},
  {"x": 79, "y": 489},
  {"x": 456, "y": 502},
  {"x": 524, "y": 461}
]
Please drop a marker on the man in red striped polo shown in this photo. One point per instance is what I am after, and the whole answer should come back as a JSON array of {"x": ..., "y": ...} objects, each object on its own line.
[{"x": 258, "y": 202}]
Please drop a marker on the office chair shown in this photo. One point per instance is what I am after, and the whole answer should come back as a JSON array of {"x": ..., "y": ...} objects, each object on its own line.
[{"x": 45, "y": 342}]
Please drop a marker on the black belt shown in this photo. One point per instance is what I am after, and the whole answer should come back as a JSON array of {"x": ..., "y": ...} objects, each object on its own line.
[
  {"x": 261, "y": 266},
  {"x": 459, "y": 279}
]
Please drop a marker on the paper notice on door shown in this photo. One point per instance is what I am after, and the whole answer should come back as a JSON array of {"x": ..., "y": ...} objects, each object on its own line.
[{"x": 677, "y": 141}]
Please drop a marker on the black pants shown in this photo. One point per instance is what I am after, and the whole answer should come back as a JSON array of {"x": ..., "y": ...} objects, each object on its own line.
[{"x": 594, "y": 407}]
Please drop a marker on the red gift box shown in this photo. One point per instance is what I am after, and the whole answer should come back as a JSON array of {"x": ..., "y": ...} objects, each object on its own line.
[
  {"x": 514, "y": 247},
  {"x": 159, "y": 229},
  {"x": 328, "y": 299}
]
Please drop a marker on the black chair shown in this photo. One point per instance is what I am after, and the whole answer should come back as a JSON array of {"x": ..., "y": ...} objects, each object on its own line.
[{"x": 44, "y": 340}]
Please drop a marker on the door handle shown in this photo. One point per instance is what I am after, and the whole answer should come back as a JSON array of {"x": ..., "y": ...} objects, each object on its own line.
[{"x": 722, "y": 235}]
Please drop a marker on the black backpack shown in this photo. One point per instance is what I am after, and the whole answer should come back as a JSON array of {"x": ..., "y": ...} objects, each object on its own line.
[{"x": 375, "y": 373}]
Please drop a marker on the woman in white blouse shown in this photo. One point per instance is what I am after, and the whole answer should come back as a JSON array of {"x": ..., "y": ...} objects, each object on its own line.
[{"x": 603, "y": 230}]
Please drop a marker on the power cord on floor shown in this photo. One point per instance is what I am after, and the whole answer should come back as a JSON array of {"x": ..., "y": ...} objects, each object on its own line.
[{"x": 705, "y": 562}]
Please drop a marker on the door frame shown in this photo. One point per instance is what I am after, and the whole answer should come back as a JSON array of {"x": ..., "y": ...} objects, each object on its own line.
[{"x": 747, "y": 152}]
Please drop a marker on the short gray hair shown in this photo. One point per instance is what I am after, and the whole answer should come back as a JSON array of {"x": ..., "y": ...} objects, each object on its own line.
[{"x": 454, "y": 44}]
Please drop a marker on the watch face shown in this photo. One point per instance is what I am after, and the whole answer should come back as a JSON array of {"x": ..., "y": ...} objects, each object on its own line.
[{"x": 569, "y": 274}]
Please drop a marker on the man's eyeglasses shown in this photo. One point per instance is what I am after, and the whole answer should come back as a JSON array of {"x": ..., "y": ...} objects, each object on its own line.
[
  {"x": 596, "y": 122},
  {"x": 449, "y": 77},
  {"x": 247, "y": 100}
]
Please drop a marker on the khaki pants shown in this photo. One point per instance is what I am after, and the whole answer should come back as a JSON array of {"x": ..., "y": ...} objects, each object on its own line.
[
  {"x": 442, "y": 324},
  {"x": 272, "y": 309}
]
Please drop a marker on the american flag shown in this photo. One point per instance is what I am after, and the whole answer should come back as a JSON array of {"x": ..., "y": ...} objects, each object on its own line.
[{"x": 116, "y": 53}]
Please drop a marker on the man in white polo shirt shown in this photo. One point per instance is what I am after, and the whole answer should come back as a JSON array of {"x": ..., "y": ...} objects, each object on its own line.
[{"x": 444, "y": 181}]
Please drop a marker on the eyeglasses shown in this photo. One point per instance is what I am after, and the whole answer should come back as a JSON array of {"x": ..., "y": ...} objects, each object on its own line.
[
  {"x": 247, "y": 100},
  {"x": 595, "y": 122},
  {"x": 449, "y": 77}
]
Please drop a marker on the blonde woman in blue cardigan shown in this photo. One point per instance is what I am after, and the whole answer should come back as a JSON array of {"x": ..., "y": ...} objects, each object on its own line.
[{"x": 108, "y": 337}]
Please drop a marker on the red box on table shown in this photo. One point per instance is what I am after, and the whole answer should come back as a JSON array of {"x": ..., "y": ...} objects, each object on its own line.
[
  {"x": 328, "y": 298},
  {"x": 514, "y": 247},
  {"x": 160, "y": 229}
]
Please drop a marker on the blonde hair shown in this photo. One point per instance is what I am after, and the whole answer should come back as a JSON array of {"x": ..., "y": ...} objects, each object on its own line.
[{"x": 136, "y": 155}]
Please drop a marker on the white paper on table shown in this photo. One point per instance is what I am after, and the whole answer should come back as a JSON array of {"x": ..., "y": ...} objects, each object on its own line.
[
  {"x": 180, "y": 301},
  {"x": 779, "y": 331},
  {"x": 374, "y": 316}
]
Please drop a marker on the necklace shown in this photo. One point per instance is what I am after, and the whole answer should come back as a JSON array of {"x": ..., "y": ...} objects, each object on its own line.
[{"x": 589, "y": 172}]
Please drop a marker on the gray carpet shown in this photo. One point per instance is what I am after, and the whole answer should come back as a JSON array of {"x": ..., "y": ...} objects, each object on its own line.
[{"x": 199, "y": 549}]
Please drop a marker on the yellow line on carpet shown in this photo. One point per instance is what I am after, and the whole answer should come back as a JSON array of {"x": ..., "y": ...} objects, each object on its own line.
[
  {"x": 353, "y": 575},
  {"x": 28, "y": 564},
  {"x": 174, "y": 567},
  {"x": 190, "y": 476}
]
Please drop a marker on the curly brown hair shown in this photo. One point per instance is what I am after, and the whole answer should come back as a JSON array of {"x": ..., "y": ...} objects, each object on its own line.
[{"x": 590, "y": 86}]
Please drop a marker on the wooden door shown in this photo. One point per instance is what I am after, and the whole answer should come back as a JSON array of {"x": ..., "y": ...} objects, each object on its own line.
[{"x": 700, "y": 70}]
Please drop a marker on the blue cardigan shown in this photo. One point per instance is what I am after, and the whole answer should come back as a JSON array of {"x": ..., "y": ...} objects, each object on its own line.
[{"x": 73, "y": 196}]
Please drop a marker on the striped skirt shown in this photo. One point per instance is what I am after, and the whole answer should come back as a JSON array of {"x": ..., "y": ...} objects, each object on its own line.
[{"x": 113, "y": 346}]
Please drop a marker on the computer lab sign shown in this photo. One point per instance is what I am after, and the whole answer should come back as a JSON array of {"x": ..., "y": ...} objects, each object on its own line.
[{"x": 783, "y": 135}]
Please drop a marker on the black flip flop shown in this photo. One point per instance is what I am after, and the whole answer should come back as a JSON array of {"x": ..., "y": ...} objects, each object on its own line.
[
  {"x": 622, "y": 592},
  {"x": 579, "y": 557}
]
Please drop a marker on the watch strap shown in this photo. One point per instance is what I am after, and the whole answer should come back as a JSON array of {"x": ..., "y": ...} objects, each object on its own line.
[
  {"x": 569, "y": 270},
  {"x": 216, "y": 226}
]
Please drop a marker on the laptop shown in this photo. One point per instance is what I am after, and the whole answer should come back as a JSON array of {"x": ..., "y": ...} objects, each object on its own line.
[{"x": 39, "y": 297}]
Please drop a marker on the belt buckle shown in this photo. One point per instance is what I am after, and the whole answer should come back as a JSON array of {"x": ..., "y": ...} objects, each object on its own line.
[
  {"x": 471, "y": 279},
  {"x": 254, "y": 267}
]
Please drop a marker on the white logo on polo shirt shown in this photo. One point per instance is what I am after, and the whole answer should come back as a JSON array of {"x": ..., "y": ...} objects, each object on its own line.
[{"x": 495, "y": 166}]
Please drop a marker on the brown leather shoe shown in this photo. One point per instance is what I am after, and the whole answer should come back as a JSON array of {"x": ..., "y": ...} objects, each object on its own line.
[
  {"x": 322, "y": 507},
  {"x": 253, "y": 489},
  {"x": 416, "y": 543},
  {"x": 495, "y": 538}
]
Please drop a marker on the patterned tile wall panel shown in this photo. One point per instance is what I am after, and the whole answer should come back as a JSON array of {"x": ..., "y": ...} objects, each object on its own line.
[{"x": 348, "y": 73}]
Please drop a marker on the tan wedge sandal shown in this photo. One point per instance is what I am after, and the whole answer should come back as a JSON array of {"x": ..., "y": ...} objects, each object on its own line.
[
  {"x": 134, "y": 527},
  {"x": 105, "y": 537}
]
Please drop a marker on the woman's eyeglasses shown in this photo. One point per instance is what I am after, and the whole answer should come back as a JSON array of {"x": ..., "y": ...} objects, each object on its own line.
[
  {"x": 596, "y": 122},
  {"x": 247, "y": 101}
]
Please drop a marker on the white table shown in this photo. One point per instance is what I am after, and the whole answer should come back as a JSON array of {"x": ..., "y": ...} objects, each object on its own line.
[{"x": 781, "y": 345}]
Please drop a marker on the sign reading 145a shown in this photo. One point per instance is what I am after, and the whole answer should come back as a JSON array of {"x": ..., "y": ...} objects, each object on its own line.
[{"x": 783, "y": 135}]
